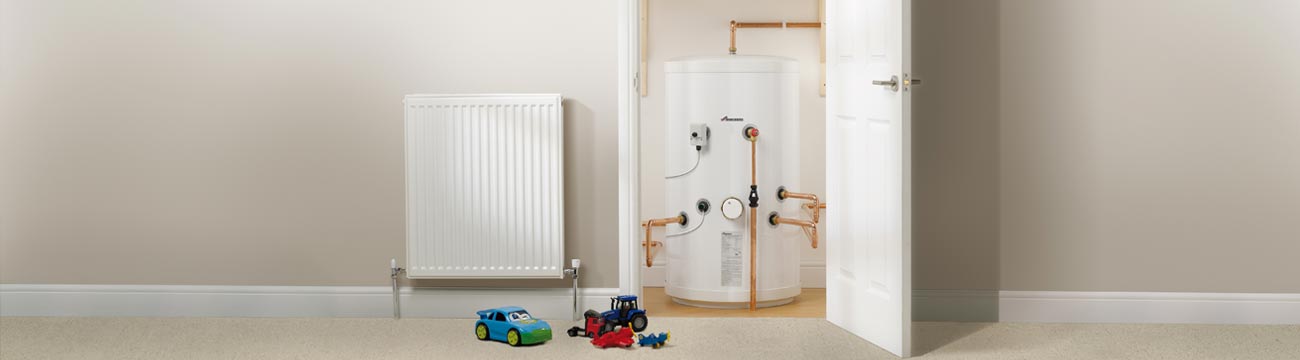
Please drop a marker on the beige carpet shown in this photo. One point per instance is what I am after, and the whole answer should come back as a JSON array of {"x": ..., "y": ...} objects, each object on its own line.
[{"x": 693, "y": 338}]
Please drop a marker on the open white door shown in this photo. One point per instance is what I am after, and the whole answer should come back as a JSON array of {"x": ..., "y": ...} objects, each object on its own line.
[{"x": 868, "y": 171}]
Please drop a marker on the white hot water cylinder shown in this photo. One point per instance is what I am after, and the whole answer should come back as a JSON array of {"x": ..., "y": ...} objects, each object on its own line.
[{"x": 710, "y": 101}]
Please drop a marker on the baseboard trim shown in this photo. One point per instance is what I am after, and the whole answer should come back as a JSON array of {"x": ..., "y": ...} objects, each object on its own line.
[
  {"x": 810, "y": 276},
  {"x": 285, "y": 301},
  {"x": 955, "y": 305},
  {"x": 1148, "y": 307},
  {"x": 555, "y": 303}
]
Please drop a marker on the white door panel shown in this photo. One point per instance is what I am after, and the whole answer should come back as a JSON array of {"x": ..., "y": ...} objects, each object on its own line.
[{"x": 868, "y": 240}]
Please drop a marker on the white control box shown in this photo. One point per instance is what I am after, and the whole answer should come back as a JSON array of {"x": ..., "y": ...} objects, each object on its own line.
[{"x": 699, "y": 135}]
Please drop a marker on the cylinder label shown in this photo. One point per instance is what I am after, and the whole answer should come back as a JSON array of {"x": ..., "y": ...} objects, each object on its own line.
[{"x": 732, "y": 265}]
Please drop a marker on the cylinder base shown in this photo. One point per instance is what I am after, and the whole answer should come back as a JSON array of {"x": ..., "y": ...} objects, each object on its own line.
[{"x": 731, "y": 305}]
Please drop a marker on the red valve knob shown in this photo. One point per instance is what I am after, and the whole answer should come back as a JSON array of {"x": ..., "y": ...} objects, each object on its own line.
[{"x": 753, "y": 132}]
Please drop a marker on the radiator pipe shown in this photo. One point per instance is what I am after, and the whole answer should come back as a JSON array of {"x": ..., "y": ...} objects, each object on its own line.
[
  {"x": 737, "y": 25},
  {"x": 648, "y": 243},
  {"x": 573, "y": 272},
  {"x": 393, "y": 270}
]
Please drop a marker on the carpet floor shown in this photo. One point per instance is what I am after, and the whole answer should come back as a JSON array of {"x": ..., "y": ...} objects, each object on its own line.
[{"x": 692, "y": 338}]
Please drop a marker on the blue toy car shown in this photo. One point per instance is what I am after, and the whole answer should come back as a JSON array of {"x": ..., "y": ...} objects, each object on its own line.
[
  {"x": 623, "y": 311},
  {"x": 511, "y": 324}
]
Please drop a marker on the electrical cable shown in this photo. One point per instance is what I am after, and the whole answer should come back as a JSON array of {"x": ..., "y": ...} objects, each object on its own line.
[{"x": 697, "y": 164}]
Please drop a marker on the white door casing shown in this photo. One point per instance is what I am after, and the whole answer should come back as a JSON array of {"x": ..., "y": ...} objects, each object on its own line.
[{"x": 868, "y": 166}]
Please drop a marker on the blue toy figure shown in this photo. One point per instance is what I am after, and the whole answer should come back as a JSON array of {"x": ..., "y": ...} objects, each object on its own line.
[{"x": 654, "y": 340}]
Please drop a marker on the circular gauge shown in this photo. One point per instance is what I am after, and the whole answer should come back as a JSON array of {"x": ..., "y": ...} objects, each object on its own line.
[{"x": 732, "y": 208}]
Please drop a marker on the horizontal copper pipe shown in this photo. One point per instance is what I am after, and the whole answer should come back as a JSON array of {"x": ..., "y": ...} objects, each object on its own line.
[
  {"x": 809, "y": 227},
  {"x": 777, "y": 24},
  {"x": 650, "y": 244},
  {"x": 737, "y": 25},
  {"x": 813, "y": 204}
]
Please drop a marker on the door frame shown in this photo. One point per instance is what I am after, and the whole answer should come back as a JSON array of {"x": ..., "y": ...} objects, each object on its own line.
[{"x": 629, "y": 148}]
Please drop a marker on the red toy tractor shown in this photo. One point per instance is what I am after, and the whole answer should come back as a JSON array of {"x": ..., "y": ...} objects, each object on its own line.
[{"x": 595, "y": 325}]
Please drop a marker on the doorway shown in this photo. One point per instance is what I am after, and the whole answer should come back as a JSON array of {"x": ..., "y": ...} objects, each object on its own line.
[
  {"x": 868, "y": 82},
  {"x": 676, "y": 29}
]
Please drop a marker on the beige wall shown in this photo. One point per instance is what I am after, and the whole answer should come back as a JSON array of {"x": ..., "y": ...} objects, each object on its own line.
[
  {"x": 685, "y": 28},
  {"x": 1150, "y": 145},
  {"x": 1138, "y": 146},
  {"x": 253, "y": 142},
  {"x": 955, "y": 145}
]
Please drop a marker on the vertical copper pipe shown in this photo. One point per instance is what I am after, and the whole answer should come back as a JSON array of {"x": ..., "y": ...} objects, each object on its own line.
[
  {"x": 753, "y": 222},
  {"x": 732, "y": 49},
  {"x": 753, "y": 256}
]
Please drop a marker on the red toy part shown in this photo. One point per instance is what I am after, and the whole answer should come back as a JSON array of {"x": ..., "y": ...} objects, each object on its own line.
[
  {"x": 595, "y": 325},
  {"x": 620, "y": 338}
]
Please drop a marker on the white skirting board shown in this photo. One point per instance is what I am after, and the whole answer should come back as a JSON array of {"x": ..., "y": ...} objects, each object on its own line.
[
  {"x": 286, "y": 301},
  {"x": 1148, "y": 307},
  {"x": 955, "y": 305},
  {"x": 555, "y": 303}
]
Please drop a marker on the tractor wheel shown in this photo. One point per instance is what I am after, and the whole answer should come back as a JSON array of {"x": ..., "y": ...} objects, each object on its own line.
[
  {"x": 638, "y": 322},
  {"x": 512, "y": 337},
  {"x": 481, "y": 332},
  {"x": 573, "y": 332}
]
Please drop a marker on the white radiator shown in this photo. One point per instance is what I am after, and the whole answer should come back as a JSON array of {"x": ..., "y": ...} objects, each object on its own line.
[{"x": 484, "y": 186}]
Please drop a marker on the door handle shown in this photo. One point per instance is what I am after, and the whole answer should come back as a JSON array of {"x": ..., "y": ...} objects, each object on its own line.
[{"x": 892, "y": 83}]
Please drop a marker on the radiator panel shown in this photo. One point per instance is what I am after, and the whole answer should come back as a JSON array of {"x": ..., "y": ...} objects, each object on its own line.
[{"x": 484, "y": 186}]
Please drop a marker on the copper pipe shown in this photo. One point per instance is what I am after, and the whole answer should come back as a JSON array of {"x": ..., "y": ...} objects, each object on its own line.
[
  {"x": 752, "y": 135},
  {"x": 649, "y": 244},
  {"x": 813, "y": 203},
  {"x": 809, "y": 227},
  {"x": 753, "y": 252},
  {"x": 736, "y": 25}
]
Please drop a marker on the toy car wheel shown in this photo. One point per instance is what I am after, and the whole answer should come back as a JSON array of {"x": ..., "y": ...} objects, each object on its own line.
[
  {"x": 512, "y": 337},
  {"x": 638, "y": 322},
  {"x": 481, "y": 331},
  {"x": 573, "y": 332}
]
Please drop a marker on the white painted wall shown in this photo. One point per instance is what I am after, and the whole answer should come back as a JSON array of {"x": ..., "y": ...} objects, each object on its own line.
[{"x": 683, "y": 28}]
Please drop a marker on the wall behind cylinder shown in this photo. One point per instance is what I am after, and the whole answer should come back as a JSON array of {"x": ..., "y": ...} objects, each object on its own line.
[
  {"x": 260, "y": 143},
  {"x": 685, "y": 28}
]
